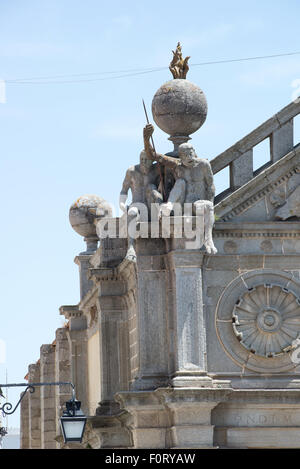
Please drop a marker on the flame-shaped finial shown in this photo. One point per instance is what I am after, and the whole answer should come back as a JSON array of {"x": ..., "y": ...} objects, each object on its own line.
[{"x": 179, "y": 66}]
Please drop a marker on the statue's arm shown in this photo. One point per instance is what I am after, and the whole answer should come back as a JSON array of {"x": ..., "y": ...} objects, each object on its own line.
[
  {"x": 124, "y": 191},
  {"x": 147, "y": 133},
  {"x": 152, "y": 155},
  {"x": 168, "y": 161}
]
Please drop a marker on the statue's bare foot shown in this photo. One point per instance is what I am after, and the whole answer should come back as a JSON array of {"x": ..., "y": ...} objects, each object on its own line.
[
  {"x": 131, "y": 254},
  {"x": 210, "y": 248},
  {"x": 165, "y": 209}
]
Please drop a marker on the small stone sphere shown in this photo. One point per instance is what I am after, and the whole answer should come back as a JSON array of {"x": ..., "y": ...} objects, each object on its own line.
[
  {"x": 84, "y": 211},
  {"x": 179, "y": 107}
]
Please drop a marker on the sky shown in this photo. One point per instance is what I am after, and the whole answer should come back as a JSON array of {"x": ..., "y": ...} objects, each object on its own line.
[{"x": 76, "y": 134}]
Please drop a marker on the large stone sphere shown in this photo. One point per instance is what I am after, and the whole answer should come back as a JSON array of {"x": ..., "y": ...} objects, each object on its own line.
[
  {"x": 179, "y": 107},
  {"x": 84, "y": 211}
]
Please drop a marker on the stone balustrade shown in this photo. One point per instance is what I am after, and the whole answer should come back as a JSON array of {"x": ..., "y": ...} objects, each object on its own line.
[{"x": 279, "y": 129}]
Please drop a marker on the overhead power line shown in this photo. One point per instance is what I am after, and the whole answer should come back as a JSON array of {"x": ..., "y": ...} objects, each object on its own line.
[
  {"x": 16, "y": 80},
  {"x": 100, "y": 76}
]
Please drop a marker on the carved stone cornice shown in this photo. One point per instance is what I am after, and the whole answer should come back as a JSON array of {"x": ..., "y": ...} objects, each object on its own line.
[
  {"x": 70, "y": 311},
  {"x": 102, "y": 273},
  {"x": 268, "y": 229},
  {"x": 123, "y": 271}
]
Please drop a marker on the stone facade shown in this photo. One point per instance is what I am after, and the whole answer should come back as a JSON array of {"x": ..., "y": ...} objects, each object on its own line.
[{"x": 185, "y": 349}]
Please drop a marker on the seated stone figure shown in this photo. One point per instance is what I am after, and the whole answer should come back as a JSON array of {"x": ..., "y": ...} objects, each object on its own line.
[
  {"x": 143, "y": 180},
  {"x": 194, "y": 184}
]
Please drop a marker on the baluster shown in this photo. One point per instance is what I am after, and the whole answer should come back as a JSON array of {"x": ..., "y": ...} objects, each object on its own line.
[
  {"x": 241, "y": 170},
  {"x": 282, "y": 141}
]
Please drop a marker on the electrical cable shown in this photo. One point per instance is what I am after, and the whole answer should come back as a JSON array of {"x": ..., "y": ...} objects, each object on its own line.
[{"x": 130, "y": 72}]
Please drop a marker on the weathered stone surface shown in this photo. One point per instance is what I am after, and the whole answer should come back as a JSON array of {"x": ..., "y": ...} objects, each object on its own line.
[
  {"x": 291, "y": 208},
  {"x": 83, "y": 213},
  {"x": 241, "y": 170},
  {"x": 282, "y": 141},
  {"x": 184, "y": 349},
  {"x": 179, "y": 107},
  {"x": 256, "y": 136},
  {"x": 271, "y": 438}
]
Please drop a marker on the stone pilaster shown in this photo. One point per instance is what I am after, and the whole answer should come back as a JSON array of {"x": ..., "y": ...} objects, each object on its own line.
[
  {"x": 76, "y": 351},
  {"x": 152, "y": 322},
  {"x": 34, "y": 404},
  {"x": 113, "y": 340},
  {"x": 190, "y": 329},
  {"x": 62, "y": 371},
  {"x": 48, "y": 400},
  {"x": 78, "y": 346}
]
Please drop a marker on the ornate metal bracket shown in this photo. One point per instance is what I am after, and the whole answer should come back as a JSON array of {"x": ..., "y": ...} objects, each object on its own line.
[{"x": 7, "y": 406}]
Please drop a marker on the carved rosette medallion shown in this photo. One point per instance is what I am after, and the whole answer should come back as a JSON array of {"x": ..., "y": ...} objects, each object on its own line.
[
  {"x": 266, "y": 320},
  {"x": 258, "y": 320}
]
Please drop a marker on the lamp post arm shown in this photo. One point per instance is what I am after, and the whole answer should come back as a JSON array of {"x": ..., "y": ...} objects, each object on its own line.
[{"x": 7, "y": 406}]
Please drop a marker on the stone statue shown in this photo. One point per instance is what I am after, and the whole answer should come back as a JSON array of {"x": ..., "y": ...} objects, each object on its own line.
[
  {"x": 179, "y": 66},
  {"x": 194, "y": 184},
  {"x": 143, "y": 180}
]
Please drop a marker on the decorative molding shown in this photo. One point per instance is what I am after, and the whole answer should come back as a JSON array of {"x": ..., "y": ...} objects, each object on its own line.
[
  {"x": 268, "y": 229},
  {"x": 257, "y": 235},
  {"x": 70, "y": 311}
]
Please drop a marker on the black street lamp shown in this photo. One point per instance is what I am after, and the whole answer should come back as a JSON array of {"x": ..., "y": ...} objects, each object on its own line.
[{"x": 72, "y": 420}]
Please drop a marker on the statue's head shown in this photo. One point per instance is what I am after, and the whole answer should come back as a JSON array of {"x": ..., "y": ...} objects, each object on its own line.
[
  {"x": 145, "y": 162},
  {"x": 186, "y": 153}
]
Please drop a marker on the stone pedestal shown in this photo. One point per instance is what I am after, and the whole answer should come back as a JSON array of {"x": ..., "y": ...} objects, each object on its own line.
[
  {"x": 110, "y": 431},
  {"x": 172, "y": 418},
  {"x": 150, "y": 422}
]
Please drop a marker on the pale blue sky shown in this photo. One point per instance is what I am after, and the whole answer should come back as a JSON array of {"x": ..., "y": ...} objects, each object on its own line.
[{"x": 60, "y": 141}]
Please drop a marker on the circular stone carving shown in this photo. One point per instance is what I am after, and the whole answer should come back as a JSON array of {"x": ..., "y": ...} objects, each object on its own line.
[
  {"x": 266, "y": 320},
  {"x": 179, "y": 107},
  {"x": 258, "y": 319}
]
